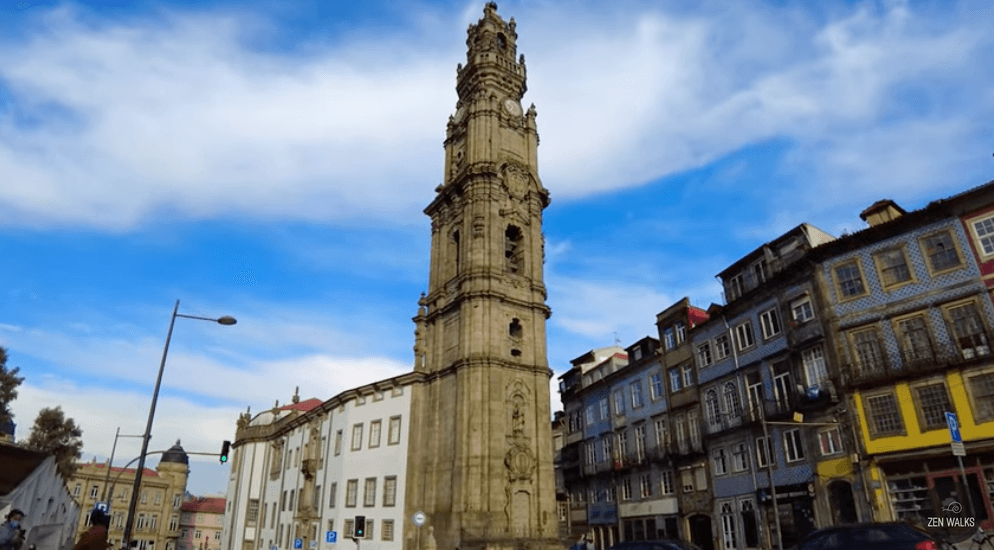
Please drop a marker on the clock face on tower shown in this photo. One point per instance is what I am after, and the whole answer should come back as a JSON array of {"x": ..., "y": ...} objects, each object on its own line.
[{"x": 512, "y": 106}]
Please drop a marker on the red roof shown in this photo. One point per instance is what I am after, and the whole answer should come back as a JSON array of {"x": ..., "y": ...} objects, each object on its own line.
[
  {"x": 697, "y": 315},
  {"x": 302, "y": 406},
  {"x": 210, "y": 505}
]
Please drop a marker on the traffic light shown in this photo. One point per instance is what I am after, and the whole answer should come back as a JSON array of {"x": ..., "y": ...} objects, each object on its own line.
[
  {"x": 225, "y": 447},
  {"x": 360, "y": 527}
]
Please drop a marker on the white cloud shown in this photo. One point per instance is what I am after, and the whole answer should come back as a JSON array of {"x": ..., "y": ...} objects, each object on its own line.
[{"x": 180, "y": 114}]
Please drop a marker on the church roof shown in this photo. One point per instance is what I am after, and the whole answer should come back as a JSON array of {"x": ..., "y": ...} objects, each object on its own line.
[
  {"x": 302, "y": 406},
  {"x": 209, "y": 505}
]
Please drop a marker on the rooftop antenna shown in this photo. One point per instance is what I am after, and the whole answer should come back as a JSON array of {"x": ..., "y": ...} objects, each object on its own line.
[{"x": 617, "y": 342}]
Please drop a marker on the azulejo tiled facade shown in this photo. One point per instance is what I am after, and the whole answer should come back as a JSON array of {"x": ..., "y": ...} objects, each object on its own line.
[{"x": 816, "y": 395}]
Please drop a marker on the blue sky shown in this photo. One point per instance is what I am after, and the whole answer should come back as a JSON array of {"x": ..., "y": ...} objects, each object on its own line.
[{"x": 271, "y": 161}]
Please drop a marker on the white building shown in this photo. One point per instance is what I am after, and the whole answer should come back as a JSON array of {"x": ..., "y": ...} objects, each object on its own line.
[
  {"x": 309, "y": 468},
  {"x": 31, "y": 483}
]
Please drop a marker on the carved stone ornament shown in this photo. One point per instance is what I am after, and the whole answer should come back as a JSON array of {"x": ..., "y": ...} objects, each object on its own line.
[
  {"x": 520, "y": 463},
  {"x": 517, "y": 180},
  {"x": 478, "y": 227}
]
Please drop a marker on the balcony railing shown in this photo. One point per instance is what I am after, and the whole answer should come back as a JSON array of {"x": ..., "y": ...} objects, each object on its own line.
[{"x": 918, "y": 361}]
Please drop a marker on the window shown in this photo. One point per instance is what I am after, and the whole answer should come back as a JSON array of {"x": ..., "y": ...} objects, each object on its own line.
[
  {"x": 338, "y": 442},
  {"x": 252, "y": 511},
  {"x": 513, "y": 251},
  {"x": 916, "y": 342},
  {"x": 77, "y": 490},
  {"x": 609, "y": 494},
  {"x": 119, "y": 520},
  {"x": 829, "y": 441},
  {"x": 197, "y": 533},
  {"x": 687, "y": 481},
  {"x": 761, "y": 270},
  {"x": 743, "y": 336},
  {"x": 153, "y": 522},
  {"x": 636, "y": 353},
  {"x": 386, "y": 532},
  {"x": 158, "y": 498},
  {"x": 712, "y": 408},
  {"x": 606, "y": 454},
  {"x": 636, "y": 390},
  {"x": 718, "y": 460},
  {"x": 814, "y": 366},
  {"x": 722, "y": 347},
  {"x": 619, "y": 402},
  {"x": 701, "y": 480},
  {"x": 764, "y": 451},
  {"x": 393, "y": 437},
  {"x": 591, "y": 453},
  {"x": 893, "y": 267},
  {"x": 351, "y": 492},
  {"x": 782, "y": 389},
  {"x": 675, "y": 380},
  {"x": 688, "y": 376},
  {"x": 626, "y": 489},
  {"x": 640, "y": 442},
  {"x": 681, "y": 435},
  {"x": 869, "y": 357},
  {"x": 144, "y": 498},
  {"x": 656, "y": 385},
  {"x": 727, "y": 526},
  {"x": 139, "y": 522},
  {"x": 732, "y": 403},
  {"x": 735, "y": 287},
  {"x": 933, "y": 402},
  {"x": 349, "y": 528},
  {"x": 695, "y": 429},
  {"x": 704, "y": 354},
  {"x": 332, "y": 491},
  {"x": 94, "y": 491},
  {"x": 669, "y": 338},
  {"x": 850, "y": 280},
  {"x": 769, "y": 320},
  {"x": 940, "y": 251},
  {"x": 969, "y": 331},
  {"x": 374, "y": 433},
  {"x": 390, "y": 491},
  {"x": 681, "y": 332},
  {"x": 666, "y": 482},
  {"x": 660, "y": 426},
  {"x": 623, "y": 443},
  {"x": 792, "y": 445},
  {"x": 801, "y": 310},
  {"x": 981, "y": 389},
  {"x": 357, "y": 436},
  {"x": 754, "y": 388},
  {"x": 985, "y": 233},
  {"x": 590, "y": 414},
  {"x": 740, "y": 457},
  {"x": 605, "y": 409},
  {"x": 176, "y": 500},
  {"x": 885, "y": 416},
  {"x": 369, "y": 495},
  {"x": 173, "y": 522},
  {"x": 645, "y": 486}
]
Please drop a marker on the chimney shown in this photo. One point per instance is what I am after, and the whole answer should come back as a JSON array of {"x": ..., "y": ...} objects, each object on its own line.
[{"x": 880, "y": 212}]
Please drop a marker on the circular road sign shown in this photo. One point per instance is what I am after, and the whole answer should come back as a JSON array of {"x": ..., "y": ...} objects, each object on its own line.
[{"x": 420, "y": 518}]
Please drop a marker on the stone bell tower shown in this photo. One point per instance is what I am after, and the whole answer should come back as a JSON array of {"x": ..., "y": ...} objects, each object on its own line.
[{"x": 481, "y": 446}]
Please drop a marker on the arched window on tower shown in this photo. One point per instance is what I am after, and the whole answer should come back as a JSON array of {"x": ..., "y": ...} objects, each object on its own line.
[
  {"x": 455, "y": 249},
  {"x": 513, "y": 253}
]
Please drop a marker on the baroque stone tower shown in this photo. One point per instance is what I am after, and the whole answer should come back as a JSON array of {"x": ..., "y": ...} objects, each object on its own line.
[{"x": 481, "y": 454}]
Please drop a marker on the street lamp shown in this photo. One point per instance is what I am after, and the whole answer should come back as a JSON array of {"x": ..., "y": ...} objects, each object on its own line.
[{"x": 227, "y": 321}]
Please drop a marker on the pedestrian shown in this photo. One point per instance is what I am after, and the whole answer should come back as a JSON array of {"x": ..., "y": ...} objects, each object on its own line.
[
  {"x": 95, "y": 538},
  {"x": 590, "y": 542},
  {"x": 11, "y": 534},
  {"x": 580, "y": 544}
]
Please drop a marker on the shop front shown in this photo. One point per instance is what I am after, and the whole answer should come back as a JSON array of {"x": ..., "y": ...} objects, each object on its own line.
[{"x": 795, "y": 508}]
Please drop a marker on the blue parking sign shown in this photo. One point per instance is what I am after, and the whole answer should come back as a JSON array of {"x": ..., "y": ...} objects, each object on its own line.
[
  {"x": 101, "y": 507},
  {"x": 953, "y": 427},
  {"x": 331, "y": 536},
  {"x": 298, "y": 544}
]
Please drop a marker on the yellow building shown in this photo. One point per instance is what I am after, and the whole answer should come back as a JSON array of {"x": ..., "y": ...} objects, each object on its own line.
[
  {"x": 157, "y": 515},
  {"x": 912, "y": 320}
]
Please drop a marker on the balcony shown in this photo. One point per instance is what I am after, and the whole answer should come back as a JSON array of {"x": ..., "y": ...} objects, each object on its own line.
[{"x": 914, "y": 362}]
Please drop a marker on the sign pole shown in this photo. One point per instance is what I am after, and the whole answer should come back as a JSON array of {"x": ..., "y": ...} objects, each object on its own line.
[{"x": 960, "y": 451}]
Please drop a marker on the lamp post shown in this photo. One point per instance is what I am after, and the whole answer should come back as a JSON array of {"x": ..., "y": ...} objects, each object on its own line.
[{"x": 226, "y": 320}]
